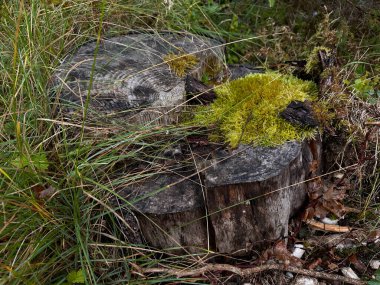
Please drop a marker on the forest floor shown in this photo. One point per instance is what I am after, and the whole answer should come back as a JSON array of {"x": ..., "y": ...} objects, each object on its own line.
[{"x": 57, "y": 225}]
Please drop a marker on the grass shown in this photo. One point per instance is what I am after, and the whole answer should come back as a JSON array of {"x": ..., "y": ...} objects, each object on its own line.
[{"x": 73, "y": 228}]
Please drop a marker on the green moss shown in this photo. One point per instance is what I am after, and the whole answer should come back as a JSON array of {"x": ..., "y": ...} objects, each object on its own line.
[
  {"x": 312, "y": 62},
  {"x": 180, "y": 63},
  {"x": 247, "y": 109}
]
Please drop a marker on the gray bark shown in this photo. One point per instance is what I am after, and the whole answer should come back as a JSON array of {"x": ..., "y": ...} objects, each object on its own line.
[
  {"x": 253, "y": 192},
  {"x": 171, "y": 212}
]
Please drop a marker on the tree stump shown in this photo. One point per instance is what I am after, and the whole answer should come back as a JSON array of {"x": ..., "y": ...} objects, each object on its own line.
[
  {"x": 252, "y": 193},
  {"x": 171, "y": 212},
  {"x": 132, "y": 80}
]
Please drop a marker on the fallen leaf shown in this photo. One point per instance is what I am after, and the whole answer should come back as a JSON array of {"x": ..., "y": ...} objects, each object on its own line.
[
  {"x": 357, "y": 263},
  {"x": 280, "y": 253},
  {"x": 41, "y": 192},
  {"x": 315, "y": 263}
]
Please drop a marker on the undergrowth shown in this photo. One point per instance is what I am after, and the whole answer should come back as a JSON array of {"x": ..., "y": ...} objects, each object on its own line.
[{"x": 56, "y": 223}]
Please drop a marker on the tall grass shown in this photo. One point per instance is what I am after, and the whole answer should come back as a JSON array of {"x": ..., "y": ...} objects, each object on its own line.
[
  {"x": 73, "y": 227},
  {"x": 42, "y": 240}
]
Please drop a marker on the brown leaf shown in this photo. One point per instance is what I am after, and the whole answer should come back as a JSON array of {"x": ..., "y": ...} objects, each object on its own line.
[
  {"x": 308, "y": 214},
  {"x": 320, "y": 211},
  {"x": 41, "y": 192},
  {"x": 280, "y": 253},
  {"x": 334, "y": 207},
  {"x": 313, "y": 168},
  {"x": 334, "y": 193},
  {"x": 332, "y": 266},
  {"x": 374, "y": 236},
  {"x": 357, "y": 263},
  {"x": 315, "y": 263}
]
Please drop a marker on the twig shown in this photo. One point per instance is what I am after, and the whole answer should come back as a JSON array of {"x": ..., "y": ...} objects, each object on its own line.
[
  {"x": 372, "y": 123},
  {"x": 327, "y": 227},
  {"x": 248, "y": 272}
]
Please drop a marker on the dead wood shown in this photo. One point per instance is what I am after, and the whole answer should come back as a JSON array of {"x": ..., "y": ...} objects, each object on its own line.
[{"x": 247, "y": 272}]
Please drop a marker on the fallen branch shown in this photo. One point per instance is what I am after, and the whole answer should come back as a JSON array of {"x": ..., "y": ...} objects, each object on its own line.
[
  {"x": 372, "y": 123},
  {"x": 248, "y": 272},
  {"x": 327, "y": 227}
]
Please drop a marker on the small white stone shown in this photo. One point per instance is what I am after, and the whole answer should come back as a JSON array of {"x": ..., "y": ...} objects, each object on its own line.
[
  {"x": 338, "y": 175},
  {"x": 303, "y": 280},
  {"x": 289, "y": 275},
  {"x": 329, "y": 221},
  {"x": 348, "y": 272},
  {"x": 298, "y": 250},
  {"x": 375, "y": 264}
]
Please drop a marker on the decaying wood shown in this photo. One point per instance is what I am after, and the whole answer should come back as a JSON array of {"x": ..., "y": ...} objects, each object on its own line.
[
  {"x": 199, "y": 92},
  {"x": 352, "y": 239},
  {"x": 236, "y": 71},
  {"x": 241, "y": 191},
  {"x": 131, "y": 79},
  {"x": 132, "y": 83},
  {"x": 247, "y": 272},
  {"x": 300, "y": 114},
  {"x": 171, "y": 212}
]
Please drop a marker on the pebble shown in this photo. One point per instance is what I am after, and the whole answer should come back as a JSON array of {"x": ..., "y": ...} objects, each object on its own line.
[
  {"x": 375, "y": 264},
  {"x": 303, "y": 280},
  {"x": 348, "y": 272}
]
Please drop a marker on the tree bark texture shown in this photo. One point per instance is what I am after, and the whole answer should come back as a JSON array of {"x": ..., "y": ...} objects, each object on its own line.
[
  {"x": 250, "y": 195},
  {"x": 254, "y": 193},
  {"x": 171, "y": 212}
]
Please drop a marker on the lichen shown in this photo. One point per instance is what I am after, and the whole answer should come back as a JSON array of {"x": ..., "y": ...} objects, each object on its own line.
[
  {"x": 247, "y": 109},
  {"x": 180, "y": 63}
]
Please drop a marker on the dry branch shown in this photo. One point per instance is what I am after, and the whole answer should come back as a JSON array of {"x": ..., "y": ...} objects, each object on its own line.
[
  {"x": 326, "y": 227},
  {"x": 247, "y": 272}
]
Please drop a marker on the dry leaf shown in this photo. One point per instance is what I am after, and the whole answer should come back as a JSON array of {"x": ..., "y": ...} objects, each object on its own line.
[
  {"x": 357, "y": 263},
  {"x": 43, "y": 193},
  {"x": 315, "y": 263},
  {"x": 280, "y": 253}
]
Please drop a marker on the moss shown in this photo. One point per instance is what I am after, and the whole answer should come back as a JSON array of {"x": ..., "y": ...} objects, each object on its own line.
[
  {"x": 247, "y": 109},
  {"x": 313, "y": 61},
  {"x": 180, "y": 63}
]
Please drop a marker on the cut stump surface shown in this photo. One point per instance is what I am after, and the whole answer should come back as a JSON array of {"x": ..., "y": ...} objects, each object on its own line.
[{"x": 131, "y": 78}]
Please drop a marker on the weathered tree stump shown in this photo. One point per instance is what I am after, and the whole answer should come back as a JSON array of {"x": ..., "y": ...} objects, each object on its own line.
[
  {"x": 252, "y": 193},
  {"x": 132, "y": 78},
  {"x": 171, "y": 212}
]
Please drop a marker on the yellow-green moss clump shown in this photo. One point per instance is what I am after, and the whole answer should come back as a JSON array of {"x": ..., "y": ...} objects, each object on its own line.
[
  {"x": 247, "y": 109},
  {"x": 180, "y": 63},
  {"x": 313, "y": 59}
]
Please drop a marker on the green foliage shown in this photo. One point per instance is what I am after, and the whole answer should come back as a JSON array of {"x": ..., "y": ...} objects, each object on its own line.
[
  {"x": 37, "y": 160},
  {"x": 75, "y": 277},
  {"x": 313, "y": 59},
  {"x": 247, "y": 109},
  {"x": 366, "y": 88},
  {"x": 376, "y": 281}
]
